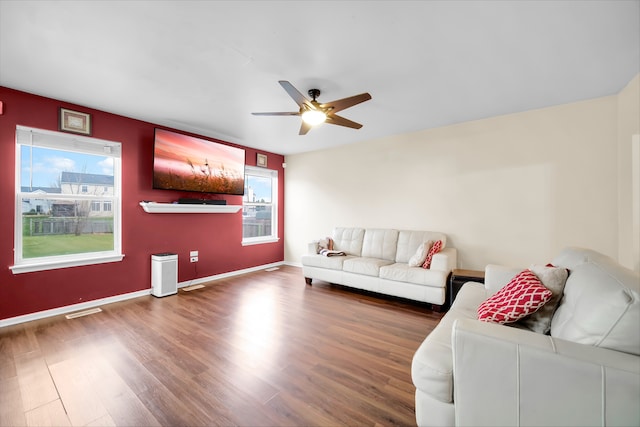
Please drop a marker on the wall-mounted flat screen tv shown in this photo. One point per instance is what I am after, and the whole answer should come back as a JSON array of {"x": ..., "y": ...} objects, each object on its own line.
[{"x": 186, "y": 163}]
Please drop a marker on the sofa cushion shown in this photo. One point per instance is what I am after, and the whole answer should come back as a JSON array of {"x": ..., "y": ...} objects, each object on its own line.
[
  {"x": 432, "y": 365},
  {"x": 554, "y": 279},
  {"x": 380, "y": 243},
  {"x": 400, "y": 272},
  {"x": 409, "y": 240},
  {"x": 321, "y": 261},
  {"x": 348, "y": 240},
  {"x": 523, "y": 295},
  {"x": 571, "y": 257},
  {"x": 421, "y": 254},
  {"x": 601, "y": 305},
  {"x": 365, "y": 266}
]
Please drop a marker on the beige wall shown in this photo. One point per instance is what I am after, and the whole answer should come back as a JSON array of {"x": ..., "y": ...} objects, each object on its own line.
[
  {"x": 629, "y": 174},
  {"x": 512, "y": 189}
]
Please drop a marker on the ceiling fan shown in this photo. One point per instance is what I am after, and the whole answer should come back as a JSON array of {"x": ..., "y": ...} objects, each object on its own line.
[{"x": 313, "y": 113}]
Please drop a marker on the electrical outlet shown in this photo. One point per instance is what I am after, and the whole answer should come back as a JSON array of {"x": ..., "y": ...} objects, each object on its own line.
[
  {"x": 193, "y": 253},
  {"x": 194, "y": 259}
]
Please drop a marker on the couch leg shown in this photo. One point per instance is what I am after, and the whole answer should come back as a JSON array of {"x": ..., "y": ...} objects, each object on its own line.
[{"x": 307, "y": 280}]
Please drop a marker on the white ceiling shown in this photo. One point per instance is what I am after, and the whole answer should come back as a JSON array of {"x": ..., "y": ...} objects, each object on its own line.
[{"x": 204, "y": 66}]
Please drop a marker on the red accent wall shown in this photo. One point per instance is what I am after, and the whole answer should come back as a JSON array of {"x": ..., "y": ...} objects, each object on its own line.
[{"x": 217, "y": 237}]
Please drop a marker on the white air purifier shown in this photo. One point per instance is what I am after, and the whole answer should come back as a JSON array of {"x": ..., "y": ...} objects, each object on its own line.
[{"x": 164, "y": 274}]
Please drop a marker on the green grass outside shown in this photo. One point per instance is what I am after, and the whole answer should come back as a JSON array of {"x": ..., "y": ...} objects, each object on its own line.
[
  {"x": 27, "y": 218},
  {"x": 65, "y": 244}
]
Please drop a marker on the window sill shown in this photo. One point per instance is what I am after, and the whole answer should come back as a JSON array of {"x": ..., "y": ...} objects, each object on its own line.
[
  {"x": 76, "y": 262},
  {"x": 260, "y": 241}
]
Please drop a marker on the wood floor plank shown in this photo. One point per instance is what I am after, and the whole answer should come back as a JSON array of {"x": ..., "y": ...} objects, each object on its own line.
[
  {"x": 306, "y": 386},
  {"x": 245, "y": 403},
  {"x": 259, "y": 349},
  {"x": 77, "y": 392},
  {"x": 36, "y": 385},
  {"x": 59, "y": 341},
  {"x": 11, "y": 413},
  {"x": 291, "y": 410},
  {"x": 91, "y": 389},
  {"x": 23, "y": 340},
  {"x": 169, "y": 409},
  {"x": 190, "y": 393},
  {"x": 50, "y": 414},
  {"x": 7, "y": 365},
  {"x": 127, "y": 366},
  {"x": 105, "y": 421},
  {"x": 392, "y": 408},
  {"x": 122, "y": 404},
  {"x": 236, "y": 383}
]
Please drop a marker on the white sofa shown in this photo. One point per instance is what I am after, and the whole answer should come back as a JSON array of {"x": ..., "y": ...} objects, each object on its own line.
[
  {"x": 377, "y": 260},
  {"x": 585, "y": 373}
]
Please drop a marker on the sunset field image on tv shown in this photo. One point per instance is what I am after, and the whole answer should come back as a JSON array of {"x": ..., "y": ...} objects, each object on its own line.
[{"x": 187, "y": 163}]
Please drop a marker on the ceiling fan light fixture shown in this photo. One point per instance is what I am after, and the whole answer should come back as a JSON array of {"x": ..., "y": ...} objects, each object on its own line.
[
  {"x": 314, "y": 117},
  {"x": 313, "y": 113}
]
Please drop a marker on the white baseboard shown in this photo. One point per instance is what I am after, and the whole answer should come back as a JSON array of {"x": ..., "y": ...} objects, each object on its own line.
[
  {"x": 293, "y": 264},
  {"x": 70, "y": 308},
  {"x": 117, "y": 298},
  {"x": 226, "y": 275}
]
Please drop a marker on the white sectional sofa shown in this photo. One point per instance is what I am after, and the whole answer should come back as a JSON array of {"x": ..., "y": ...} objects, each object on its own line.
[
  {"x": 585, "y": 373},
  {"x": 377, "y": 260}
]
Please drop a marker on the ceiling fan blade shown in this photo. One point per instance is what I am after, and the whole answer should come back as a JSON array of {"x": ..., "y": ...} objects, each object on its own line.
[
  {"x": 297, "y": 96},
  {"x": 297, "y": 113},
  {"x": 304, "y": 128},
  {"x": 334, "y": 119},
  {"x": 341, "y": 104}
]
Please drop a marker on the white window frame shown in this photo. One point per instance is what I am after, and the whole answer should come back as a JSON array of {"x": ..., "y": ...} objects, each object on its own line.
[
  {"x": 267, "y": 173},
  {"x": 87, "y": 145}
]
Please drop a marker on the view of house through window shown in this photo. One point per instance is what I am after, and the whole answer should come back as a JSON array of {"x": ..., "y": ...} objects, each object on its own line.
[
  {"x": 259, "y": 210},
  {"x": 68, "y": 187}
]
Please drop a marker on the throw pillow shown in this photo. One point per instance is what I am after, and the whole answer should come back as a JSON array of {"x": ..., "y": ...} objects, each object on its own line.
[
  {"x": 421, "y": 254},
  {"x": 326, "y": 243},
  {"x": 435, "y": 248},
  {"x": 553, "y": 278},
  {"x": 523, "y": 295}
]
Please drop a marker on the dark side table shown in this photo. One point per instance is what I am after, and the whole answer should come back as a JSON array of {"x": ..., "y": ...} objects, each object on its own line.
[{"x": 460, "y": 277}]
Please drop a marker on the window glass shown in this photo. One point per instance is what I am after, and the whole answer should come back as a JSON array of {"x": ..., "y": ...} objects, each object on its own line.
[
  {"x": 259, "y": 211},
  {"x": 258, "y": 189},
  {"x": 64, "y": 184}
]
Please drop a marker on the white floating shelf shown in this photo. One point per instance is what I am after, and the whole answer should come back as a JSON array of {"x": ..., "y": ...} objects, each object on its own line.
[{"x": 153, "y": 207}]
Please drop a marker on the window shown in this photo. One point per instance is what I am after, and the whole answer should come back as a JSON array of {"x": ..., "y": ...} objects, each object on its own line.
[
  {"x": 60, "y": 188},
  {"x": 260, "y": 206}
]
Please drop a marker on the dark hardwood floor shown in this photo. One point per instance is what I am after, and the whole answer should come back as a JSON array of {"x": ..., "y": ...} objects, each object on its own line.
[{"x": 261, "y": 349}]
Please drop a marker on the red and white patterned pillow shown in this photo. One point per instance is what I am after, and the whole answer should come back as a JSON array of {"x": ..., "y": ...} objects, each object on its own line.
[
  {"x": 435, "y": 248},
  {"x": 523, "y": 295}
]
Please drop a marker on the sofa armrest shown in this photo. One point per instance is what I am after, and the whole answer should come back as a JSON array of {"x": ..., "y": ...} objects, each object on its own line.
[
  {"x": 312, "y": 247},
  {"x": 507, "y": 376},
  {"x": 496, "y": 276},
  {"x": 445, "y": 260}
]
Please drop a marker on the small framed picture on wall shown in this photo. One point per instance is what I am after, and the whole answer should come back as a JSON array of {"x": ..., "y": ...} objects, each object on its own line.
[
  {"x": 262, "y": 160},
  {"x": 75, "y": 122}
]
